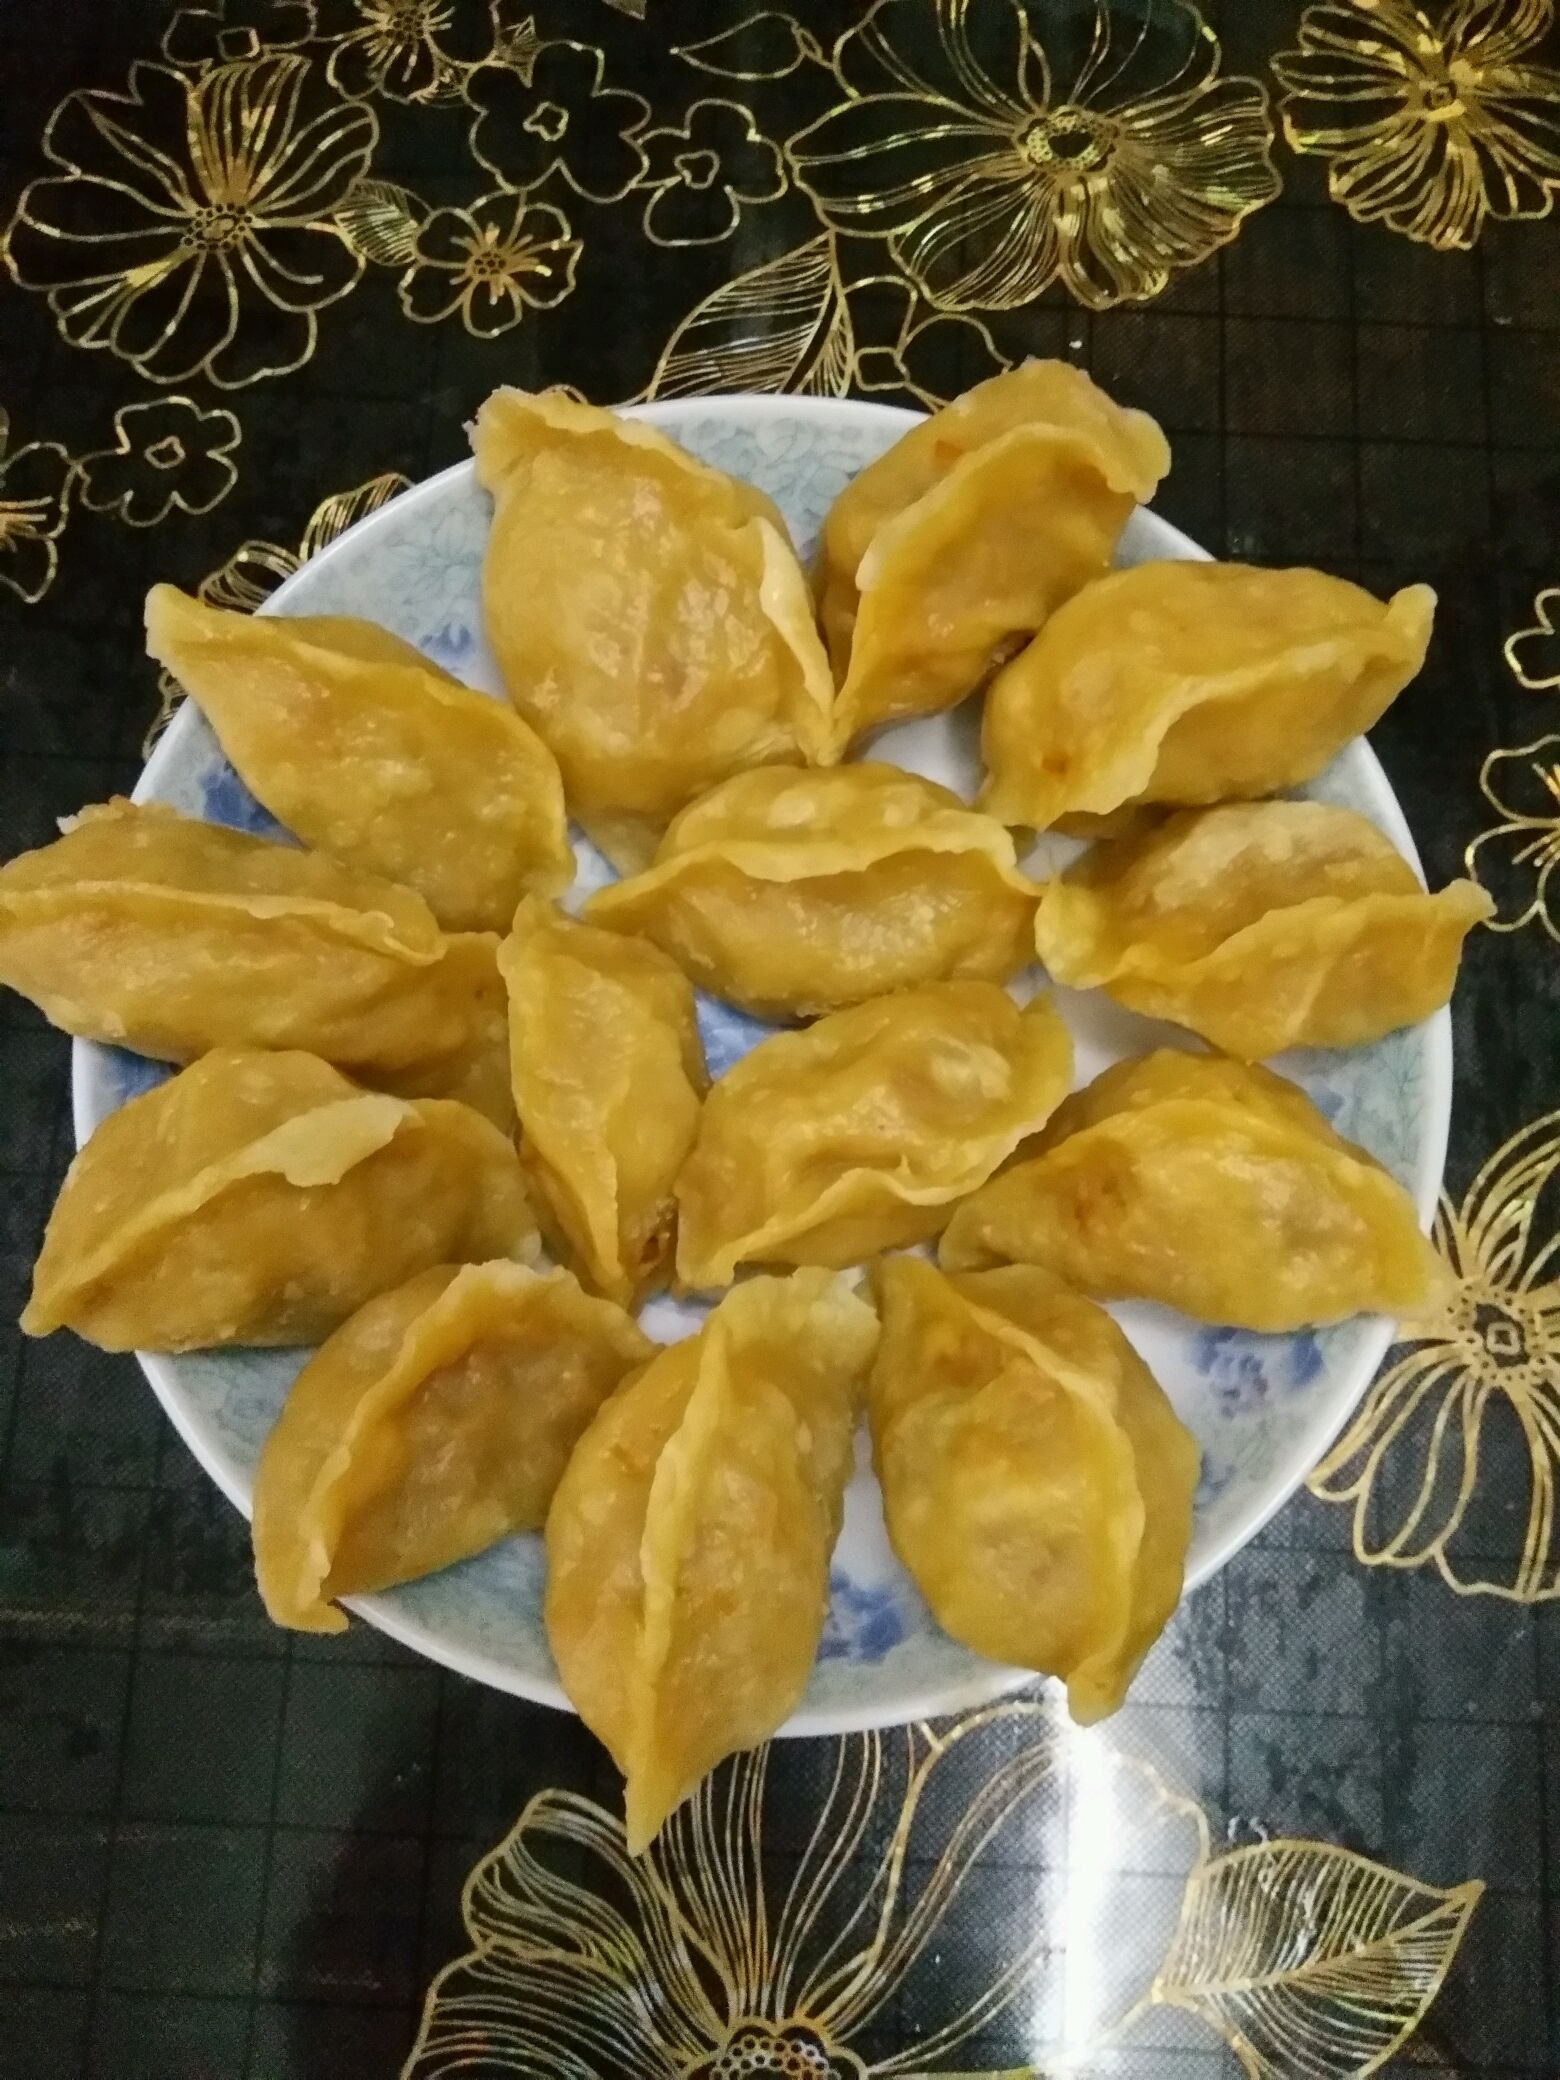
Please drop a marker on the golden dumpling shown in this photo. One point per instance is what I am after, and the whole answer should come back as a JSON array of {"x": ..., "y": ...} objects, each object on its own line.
[
  {"x": 1260, "y": 925},
  {"x": 364, "y": 749},
  {"x": 608, "y": 1076},
  {"x": 476, "y": 1068},
  {"x": 959, "y": 542},
  {"x": 789, "y": 892},
  {"x": 1193, "y": 683},
  {"x": 688, "y": 1543},
  {"x": 861, "y": 1132},
  {"x": 647, "y": 612},
  {"x": 1212, "y": 1186},
  {"x": 1036, "y": 1482},
  {"x": 435, "y": 1420},
  {"x": 153, "y": 931},
  {"x": 262, "y": 1198}
]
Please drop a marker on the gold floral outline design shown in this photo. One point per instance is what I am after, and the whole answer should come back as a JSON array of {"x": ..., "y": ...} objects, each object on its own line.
[
  {"x": 169, "y": 452},
  {"x": 1493, "y": 1346},
  {"x": 993, "y": 172},
  {"x": 246, "y": 580},
  {"x": 700, "y": 172},
  {"x": 420, "y": 55},
  {"x": 494, "y": 260},
  {"x": 680, "y": 1966},
  {"x": 35, "y": 490},
  {"x": 1429, "y": 125},
  {"x": 239, "y": 209},
  {"x": 1540, "y": 631},
  {"x": 560, "y": 118},
  {"x": 1526, "y": 841}
]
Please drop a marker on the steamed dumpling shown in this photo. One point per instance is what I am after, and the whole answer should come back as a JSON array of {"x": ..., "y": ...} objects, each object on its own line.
[
  {"x": 1193, "y": 683},
  {"x": 437, "y": 1419},
  {"x": 861, "y": 1132},
  {"x": 1261, "y": 926},
  {"x": 262, "y": 1198},
  {"x": 688, "y": 1543},
  {"x": 608, "y": 1076},
  {"x": 1212, "y": 1186},
  {"x": 791, "y": 892},
  {"x": 955, "y": 546},
  {"x": 153, "y": 931},
  {"x": 1036, "y": 1482},
  {"x": 364, "y": 749},
  {"x": 647, "y": 612}
]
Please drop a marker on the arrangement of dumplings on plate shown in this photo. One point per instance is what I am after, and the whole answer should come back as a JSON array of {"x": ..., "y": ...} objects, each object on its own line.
[{"x": 446, "y": 1119}]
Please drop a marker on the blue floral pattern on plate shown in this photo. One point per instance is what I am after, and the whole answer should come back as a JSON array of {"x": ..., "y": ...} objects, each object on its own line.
[{"x": 1262, "y": 1407}]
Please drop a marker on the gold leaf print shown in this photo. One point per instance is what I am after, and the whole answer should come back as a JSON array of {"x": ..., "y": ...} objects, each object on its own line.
[
  {"x": 1515, "y": 858},
  {"x": 700, "y": 173},
  {"x": 677, "y": 1965},
  {"x": 783, "y": 325},
  {"x": 35, "y": 483},
  {"x": 1432, "y": 120},
  {"x": 1310, "y": 1959},
  {"x": 766, "y": 45},
  {"x": 167, "y": 454},
  {"x": 380, "y": 221},
  {"x": 255, "y": 569},
  {"x": 189, "y": 231},
  {"x": 417, "y": 51},
  {"x": 1534, "y": 653},
  {"x": 1410, "y": 1462},
  {"x": 1003, "y": 145},
  {"x": 493, "y": 262},
  {"x": 558, "y": 118}
]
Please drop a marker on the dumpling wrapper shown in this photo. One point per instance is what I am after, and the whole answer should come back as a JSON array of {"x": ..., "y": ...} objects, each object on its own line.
[
  {"x": 436, "y": 1420},
  {"x": 861, "y": 1132},
  {"x": 789, "y": 892},
  {"x": 262, "y": 1198},
  {"x": 1261, "y": 926},
  {"x": 363, "y": 748},
  {"x": 608, "y": 1076},
  {"x": 1212, "y": 1186},
  {"x": 150, "y": 930},
  {"x": 1193, "y": 683},
  {"x": 1036, "y": 1481},
  {"x": 688, "y": 1543},
  {"x": 647, "y": 612},
  {"x": 964, "y": 537}
]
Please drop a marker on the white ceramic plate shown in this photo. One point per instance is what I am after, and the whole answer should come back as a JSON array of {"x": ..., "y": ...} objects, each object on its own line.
[{"x": 1263, "y": 1407}]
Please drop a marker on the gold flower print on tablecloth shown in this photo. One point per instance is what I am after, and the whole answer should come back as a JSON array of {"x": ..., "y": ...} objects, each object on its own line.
[
  {"x": 1515, "y": 858},
  {"x": 1303, "y": 1957},
  {"x": 189, "y": 229},
  {"x": 564, "y": 120},
  {"x": 410, "y": 50},
  {"x": 1003, "y": 145},
  {"x": 35, "y": 484},
  {"x": 255, "y": 569},
  {"x": 1533, "y": 653},
  {"x": 1432, "y": 118},
  {"x": 492, "y": 262},
  {"x": 1410, "y": 1463},
  {"x": 700, "y": 173},
  {"x": 168, "y": 454}
]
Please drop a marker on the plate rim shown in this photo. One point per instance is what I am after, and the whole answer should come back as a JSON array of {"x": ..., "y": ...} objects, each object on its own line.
[{"x": 993, "y": 1680}]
